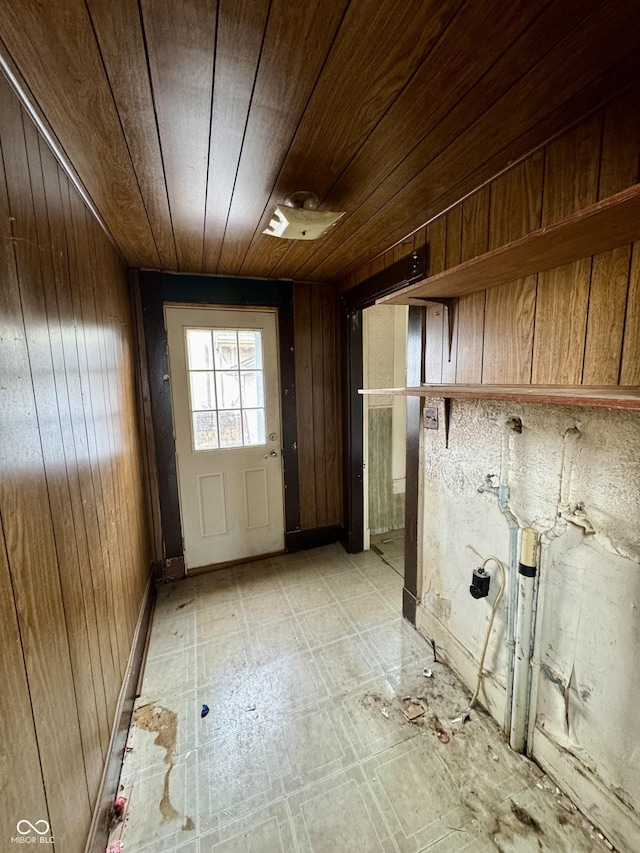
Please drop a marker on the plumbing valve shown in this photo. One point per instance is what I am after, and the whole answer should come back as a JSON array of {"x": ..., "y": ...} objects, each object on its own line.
[{"x": 480, "y": 583}]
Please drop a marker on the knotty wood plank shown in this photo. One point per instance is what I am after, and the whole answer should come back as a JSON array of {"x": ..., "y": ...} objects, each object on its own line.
[
  {"x": 605, "y": 325},
  {"x": 54, "y": 47},
  {"x": 604, "y": 225},
  {"x": 19, "y": 747},
  {"x": 508, "y": 332},
  {"x": 49, "y": 385},
  {"x": 546, "y": 98},
  {"x": 30, "y": 546},
  {"x": 304, "y": 403},
  {"x": 180, "y": 40},
  {"x": 241, "y": 25},
  {"x": 630, "y": 367},
  {"x": 119, "y": 34},
  {"x": 297, "y": 41},
  {"x": 321, "y": 149},
  {"x": 318, "y": 356},
  {"x": 560, "y": 324},
  {"x": 607, "y": 396}
]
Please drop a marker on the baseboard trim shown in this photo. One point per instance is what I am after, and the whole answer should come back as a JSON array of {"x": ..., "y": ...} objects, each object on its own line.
[
  {"x": 617, "y": 822},
  {"x": 462, "y": 662},
  {"x": 315, "y": 537},
  {"x": 99, "y": 831}
]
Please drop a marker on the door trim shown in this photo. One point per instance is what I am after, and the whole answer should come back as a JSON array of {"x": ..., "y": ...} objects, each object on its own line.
[
  {"x": 158, "y": 288},
  {"x": 411, "y": 268}
]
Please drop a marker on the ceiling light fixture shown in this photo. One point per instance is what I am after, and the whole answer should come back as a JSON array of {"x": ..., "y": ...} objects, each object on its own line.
[{"x": 299, "y": 218}]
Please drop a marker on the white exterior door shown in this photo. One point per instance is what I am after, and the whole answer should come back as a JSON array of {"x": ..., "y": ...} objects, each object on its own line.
[{"x": 225, "y": 392}]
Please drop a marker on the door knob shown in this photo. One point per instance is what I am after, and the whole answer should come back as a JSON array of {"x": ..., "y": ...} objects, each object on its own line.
[{"x": 273, "y": 453}]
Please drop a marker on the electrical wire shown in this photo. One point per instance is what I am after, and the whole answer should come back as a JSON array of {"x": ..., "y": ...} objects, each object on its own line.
[{"x": 494, "y": 610}]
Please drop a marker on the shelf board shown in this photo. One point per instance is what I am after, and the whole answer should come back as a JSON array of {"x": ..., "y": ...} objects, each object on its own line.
[
  {"x": 609, "y": 396},
  {"x": 612, "y": 222}
]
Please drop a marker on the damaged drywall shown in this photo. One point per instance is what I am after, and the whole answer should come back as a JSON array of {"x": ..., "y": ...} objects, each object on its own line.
[{"x": 589, "y": 637}]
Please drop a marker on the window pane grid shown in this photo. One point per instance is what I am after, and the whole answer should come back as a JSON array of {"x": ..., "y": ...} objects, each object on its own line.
[{"x": 226, "y": 386}]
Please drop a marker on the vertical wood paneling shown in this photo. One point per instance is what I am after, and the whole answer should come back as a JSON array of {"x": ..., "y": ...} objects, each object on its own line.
[
  {"x": 120, "y": 39},
  {"x": 74, "y": 553},
  {"x": 508, "y": 332},
  {"x": 561, "y": 321},
  {"x": 471, "y": 309},
  {"x": 332, "y": 421},
  {"x": 435, "y": 315},
  {"x": 318, "y": 356},
  {"x": 605, "y": 324},
  {"x": 572, "y": 166},
  {"x": 317, "y": 399},
  {"x": 630, "y": 367},
  {"x": 584, "y": 316},
  {"x": 452, "y": 257},
  {"x": 515, "y": 210},
  {"x": 35, "y": 307},
  {"x": 304, "y": 403},
  {"x": 26, "y": 424},
  {"x": 181, "y": 44},
  {"x": 620, "y": 145}
]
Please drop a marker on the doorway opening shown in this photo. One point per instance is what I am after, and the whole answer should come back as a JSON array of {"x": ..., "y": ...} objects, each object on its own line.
[{"x": 384, "y": 343}]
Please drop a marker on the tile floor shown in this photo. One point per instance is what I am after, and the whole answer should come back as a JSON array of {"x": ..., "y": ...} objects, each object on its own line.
[
  {"x": 390, "y": 546},
  {"x": 305, "y": 663}
]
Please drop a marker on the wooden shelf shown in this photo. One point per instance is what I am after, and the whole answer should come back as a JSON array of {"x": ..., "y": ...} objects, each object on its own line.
[
  {"x": 609, "y": 396},
  {"x": 612, "y": 222}
]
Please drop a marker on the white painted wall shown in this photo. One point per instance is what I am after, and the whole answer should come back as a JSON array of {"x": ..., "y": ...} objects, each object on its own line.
[{"x": 590, "y": 624}]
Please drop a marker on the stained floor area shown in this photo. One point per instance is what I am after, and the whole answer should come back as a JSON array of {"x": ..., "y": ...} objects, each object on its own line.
[{"x": 307, "y": 669}]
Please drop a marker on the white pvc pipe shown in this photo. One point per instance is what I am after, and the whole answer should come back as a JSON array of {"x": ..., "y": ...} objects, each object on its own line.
[{"x": 526, "y": 589}]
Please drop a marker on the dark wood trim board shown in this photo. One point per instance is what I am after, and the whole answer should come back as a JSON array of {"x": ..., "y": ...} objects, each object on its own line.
[{"x": 158, "y": 288}]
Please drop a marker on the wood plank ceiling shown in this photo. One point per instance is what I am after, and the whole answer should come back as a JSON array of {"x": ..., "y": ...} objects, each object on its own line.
[{"x": 188, "y": 120}]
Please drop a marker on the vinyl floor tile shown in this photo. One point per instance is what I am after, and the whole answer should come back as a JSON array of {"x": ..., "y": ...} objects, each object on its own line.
[{"x": 307, "y": 666}]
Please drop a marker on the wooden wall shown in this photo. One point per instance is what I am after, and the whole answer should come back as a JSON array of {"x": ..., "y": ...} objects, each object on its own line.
[
  {"x": 74, "y": 551},
  {"x": 315, "y": 308},
  {"x": 576, "y": 324}
]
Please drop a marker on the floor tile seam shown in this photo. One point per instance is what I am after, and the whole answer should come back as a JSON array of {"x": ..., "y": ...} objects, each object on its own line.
[{"x": 245, "y": 817}]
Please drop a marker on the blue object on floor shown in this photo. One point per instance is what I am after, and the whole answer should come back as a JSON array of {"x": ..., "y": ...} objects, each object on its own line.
[{"x": 205, "y": 711}]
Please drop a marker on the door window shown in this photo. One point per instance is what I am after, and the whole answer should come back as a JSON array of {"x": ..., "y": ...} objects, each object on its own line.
[{"x": 226, "y": 387}]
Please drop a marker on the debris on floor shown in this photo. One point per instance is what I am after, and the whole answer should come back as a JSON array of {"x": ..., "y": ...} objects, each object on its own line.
[
  {"x": 384, "y": 712},
  {"x": 427, "y": 672},
  {"x": 115, "y": 847},
  {"x": 414, "y": 711},
  {"x": 205, "y": 711},
  {"x": 443, "y": 735}
]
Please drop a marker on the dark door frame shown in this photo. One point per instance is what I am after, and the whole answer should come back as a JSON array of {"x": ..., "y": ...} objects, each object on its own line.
[
  {"x": 158, "y": 288},
  {"x": 353, "y": 302}
]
